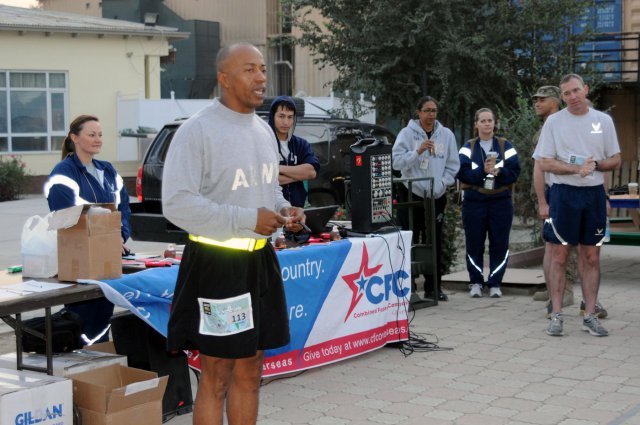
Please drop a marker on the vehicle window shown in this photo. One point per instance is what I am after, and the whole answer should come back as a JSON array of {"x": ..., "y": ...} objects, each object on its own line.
[
  {"x": 319, "y": 137},
  {"x": 165, "y": 146},
  {"x": 158, "y": 151}
]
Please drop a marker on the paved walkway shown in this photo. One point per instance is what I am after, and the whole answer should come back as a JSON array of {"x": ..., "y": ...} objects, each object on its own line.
[{"x": 502, "y": 369}]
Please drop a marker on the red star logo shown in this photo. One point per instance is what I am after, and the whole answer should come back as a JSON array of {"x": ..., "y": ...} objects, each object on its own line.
[{"x": 358, "y": 280}]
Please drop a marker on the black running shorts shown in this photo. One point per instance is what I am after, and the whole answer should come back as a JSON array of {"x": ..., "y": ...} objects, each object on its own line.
[{"x": 211, "y": 276}]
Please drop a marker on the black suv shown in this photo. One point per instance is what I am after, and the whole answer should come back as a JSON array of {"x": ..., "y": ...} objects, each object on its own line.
[{"x": 330, "y": 139}]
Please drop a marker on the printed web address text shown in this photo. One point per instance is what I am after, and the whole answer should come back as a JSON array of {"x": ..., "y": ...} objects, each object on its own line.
[{"x": 335, "y": 349}]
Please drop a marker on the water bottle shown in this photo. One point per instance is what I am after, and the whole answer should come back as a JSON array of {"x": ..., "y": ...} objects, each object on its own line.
[
  {"x": 607, "y": 231},
  {"x": 170, "y": 252},
  {"x": 335, "y": 234}
]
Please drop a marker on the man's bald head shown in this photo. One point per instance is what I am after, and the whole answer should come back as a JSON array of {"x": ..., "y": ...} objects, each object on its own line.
[
  {"x": 227, "y": 51},
  {"x": 242, "y": 77}
]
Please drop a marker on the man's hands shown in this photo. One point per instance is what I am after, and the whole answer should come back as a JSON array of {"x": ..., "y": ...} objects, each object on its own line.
[
  {"x": 270, "y": 221},
  {"x": 543, "y": 210},
  {"x": 295, "y": 173},
  {"x": 588, "y": 167},
  {"x": 295, "y": 216}
]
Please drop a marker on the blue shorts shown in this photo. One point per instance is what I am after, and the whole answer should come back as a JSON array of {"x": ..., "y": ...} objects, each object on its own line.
[{"x": 577, "y": 215}]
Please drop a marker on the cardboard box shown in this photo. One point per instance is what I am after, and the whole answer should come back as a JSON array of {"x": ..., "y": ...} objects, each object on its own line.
[
  {"x": 103, "y": 347},
  {"x": 29, "y": 398},
  {"x": 119, "y": 395},
  {"x": 65, "y": 364},
  {"x": 89, "y": 245}
]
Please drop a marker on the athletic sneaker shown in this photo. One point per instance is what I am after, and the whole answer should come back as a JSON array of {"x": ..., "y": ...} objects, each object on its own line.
[
  {"x": 495, "y": 292},
  {"x": 601, "y": 313},
  {"x": 475, "y": 290},
  {"x": 591, "y": 324},
  {"x": 555, "y": 325},
  {"x": 567, "y": 299}
]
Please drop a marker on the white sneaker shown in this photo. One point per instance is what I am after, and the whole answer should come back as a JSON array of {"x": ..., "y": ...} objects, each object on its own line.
[
  {"x": 475, "y": 290},
  {"x": 495, "y": 292}
]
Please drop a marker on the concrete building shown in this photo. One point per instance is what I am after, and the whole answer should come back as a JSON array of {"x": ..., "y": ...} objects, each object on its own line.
[
  {"x": 59, "y": 65},
  {"x": 152, "y": 61},
  {"x": 614, "y": 55},
  {"x": 215, "y": 24}
]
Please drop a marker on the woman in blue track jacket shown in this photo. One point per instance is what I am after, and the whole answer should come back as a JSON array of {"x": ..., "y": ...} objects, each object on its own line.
[
  {"x": 81, "y": 179},
  {"x": 488, "y": 168}
]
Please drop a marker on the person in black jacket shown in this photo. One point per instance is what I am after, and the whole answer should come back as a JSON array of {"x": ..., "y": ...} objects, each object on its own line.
[{"x": 297, "y": 160}]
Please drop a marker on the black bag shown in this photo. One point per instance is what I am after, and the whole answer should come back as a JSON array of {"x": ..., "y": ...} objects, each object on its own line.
[
  {"x": 147, "y": 349},
  {"x": 66, "y": 333}
]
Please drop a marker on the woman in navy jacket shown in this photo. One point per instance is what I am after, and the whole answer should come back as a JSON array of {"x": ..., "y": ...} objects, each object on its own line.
[
  {"x": 81, "y": 179},
  {"x": 488, "y": 168}
]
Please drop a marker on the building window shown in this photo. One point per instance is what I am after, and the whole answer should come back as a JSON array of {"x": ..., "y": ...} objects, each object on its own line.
[
  {"x": 33, "y": 111},
  {"x": 281, "y": 75}
]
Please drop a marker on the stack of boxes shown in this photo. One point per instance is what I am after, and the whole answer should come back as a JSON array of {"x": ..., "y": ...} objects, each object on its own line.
[
  {"x": 97, "y": 382},
  {"x": 104, "y": 390}
]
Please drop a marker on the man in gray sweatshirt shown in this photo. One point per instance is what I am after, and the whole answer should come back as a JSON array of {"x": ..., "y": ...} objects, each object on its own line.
[
  {"x": 220, "y": 184},
  {"x": 426, "y": 148}
]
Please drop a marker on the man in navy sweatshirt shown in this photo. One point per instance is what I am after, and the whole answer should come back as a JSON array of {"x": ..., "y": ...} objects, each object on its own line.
[{"x": 297, "y": 160}]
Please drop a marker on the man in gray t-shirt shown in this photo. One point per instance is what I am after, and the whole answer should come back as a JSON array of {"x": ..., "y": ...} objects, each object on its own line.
[
  {"x": 576, "y": 146},
  {"x": 220, "y": 184}
]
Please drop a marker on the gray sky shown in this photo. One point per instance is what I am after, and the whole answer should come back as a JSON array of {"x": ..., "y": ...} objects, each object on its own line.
[{"x": 20, "y": 3}]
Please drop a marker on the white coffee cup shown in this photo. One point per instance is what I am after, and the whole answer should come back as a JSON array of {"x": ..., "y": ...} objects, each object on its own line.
[{"x": 633, "y": 188}]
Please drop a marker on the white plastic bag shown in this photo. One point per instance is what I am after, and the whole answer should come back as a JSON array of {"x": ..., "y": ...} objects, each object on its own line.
[{"x": 39, "y": 248}]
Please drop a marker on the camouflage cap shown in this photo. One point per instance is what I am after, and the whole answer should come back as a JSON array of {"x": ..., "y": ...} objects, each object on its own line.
[{"x": 548, "y": 91}]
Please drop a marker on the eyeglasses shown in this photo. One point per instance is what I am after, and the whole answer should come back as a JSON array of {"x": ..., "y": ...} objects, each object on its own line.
[{"x": 429, "y": 111}]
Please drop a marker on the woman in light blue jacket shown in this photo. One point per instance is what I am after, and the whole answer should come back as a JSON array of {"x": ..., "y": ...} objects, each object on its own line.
[{"x": 426, "y": 148}]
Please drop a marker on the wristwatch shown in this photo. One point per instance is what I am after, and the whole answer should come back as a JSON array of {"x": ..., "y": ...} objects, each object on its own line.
[{"x": 596, "y": 162}]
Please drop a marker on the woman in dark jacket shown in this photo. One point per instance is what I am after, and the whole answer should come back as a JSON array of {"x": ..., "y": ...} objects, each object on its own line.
[
  {"x": 81, "y": 179},
  {"x": 488, "y": 168}
]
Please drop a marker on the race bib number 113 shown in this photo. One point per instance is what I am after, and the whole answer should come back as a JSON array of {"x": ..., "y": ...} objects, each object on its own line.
[{"x": 225, "y": 317}]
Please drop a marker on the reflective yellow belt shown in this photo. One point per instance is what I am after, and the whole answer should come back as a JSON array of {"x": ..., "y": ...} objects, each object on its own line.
[{"x": 242, "y": 244}]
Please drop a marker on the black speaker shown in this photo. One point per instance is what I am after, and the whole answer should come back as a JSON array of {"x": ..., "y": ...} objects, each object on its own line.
[
  {"x": 146, "y": 349},
  {"x": 371, "y": 185}
]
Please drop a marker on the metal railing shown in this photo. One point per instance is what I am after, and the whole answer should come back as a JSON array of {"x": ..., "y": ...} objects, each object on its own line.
[{"x": 613, "y": 56}]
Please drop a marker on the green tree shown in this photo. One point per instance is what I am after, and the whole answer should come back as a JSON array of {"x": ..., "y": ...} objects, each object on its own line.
[
  {"x": 521, "y": 124},
  {"x": 466, "y": 53}
]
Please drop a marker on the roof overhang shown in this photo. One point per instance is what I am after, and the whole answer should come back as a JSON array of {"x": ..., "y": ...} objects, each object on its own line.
[{"x": 47, "y": 22}]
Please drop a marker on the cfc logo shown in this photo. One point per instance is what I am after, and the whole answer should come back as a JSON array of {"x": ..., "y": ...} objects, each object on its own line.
[{"x": 366, "y": 283}]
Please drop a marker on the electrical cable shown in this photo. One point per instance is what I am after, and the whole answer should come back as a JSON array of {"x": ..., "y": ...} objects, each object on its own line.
[
  {"x": 266, "y": 381},
  {"x": 416, "y": 342}
]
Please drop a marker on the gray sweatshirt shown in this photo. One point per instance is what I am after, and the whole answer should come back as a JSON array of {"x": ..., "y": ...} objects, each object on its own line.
[
  {"x": 443, "y": 164},
  {"x": 221, "y": 167}
]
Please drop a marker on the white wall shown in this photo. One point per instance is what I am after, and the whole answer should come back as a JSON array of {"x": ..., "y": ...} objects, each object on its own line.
[{"x": 135, "y": 111}]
